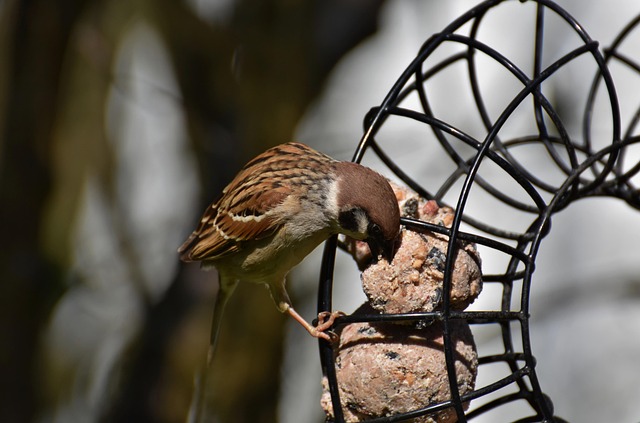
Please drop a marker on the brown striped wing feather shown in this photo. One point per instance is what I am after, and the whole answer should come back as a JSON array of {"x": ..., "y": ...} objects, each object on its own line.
[{"x": 245, "y": 211}]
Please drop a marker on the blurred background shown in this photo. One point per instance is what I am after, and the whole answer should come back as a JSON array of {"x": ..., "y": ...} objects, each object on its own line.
[{"x": 121, "y": 121}]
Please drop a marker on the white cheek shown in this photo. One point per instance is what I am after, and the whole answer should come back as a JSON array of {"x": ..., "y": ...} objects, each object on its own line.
[
  {"x": 362, "y": 222},
  {"x": 332, "y": 199},
  {"x": 363, "y": 225}
]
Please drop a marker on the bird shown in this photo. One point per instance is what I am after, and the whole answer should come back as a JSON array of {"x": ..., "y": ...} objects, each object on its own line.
[{"x": 279, "y": 207}]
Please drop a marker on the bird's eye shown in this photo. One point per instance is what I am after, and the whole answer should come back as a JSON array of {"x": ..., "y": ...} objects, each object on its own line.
[{"x": 375, "y": 230}]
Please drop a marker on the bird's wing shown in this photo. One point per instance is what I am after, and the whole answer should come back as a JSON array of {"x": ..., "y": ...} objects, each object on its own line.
[
  {"x": 247, "y": 209},
  {"x": 233, "y": 220}
]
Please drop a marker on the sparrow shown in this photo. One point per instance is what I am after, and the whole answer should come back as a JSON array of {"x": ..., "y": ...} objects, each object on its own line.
[{"x": 280, "y": 207}]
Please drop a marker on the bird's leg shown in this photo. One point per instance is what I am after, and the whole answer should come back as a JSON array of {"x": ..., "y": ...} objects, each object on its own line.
[
  {"x": 281, "y": 298},
  {"x": 313, "y": 331}
]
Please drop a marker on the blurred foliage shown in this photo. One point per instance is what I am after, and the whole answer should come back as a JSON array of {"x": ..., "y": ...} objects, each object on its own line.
[{"x": 244, "y": 82}]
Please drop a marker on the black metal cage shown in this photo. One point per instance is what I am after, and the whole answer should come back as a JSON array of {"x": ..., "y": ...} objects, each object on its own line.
[{"x": 518, "y": 148}]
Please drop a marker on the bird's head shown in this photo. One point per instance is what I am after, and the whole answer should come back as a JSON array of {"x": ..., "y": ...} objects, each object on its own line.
[{"x": 368, "y": 209}]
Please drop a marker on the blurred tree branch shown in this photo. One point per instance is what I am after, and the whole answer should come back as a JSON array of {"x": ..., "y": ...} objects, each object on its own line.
[{"x": 36, "y": 35}]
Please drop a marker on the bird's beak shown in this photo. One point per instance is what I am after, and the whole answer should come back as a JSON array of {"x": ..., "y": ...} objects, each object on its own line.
[
  {"x": 389, "y": 250},
  {"x": 384, "y": 248}
]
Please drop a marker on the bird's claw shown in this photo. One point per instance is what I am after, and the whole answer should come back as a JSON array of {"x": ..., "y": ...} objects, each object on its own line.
[
  {"x": 327, "y": 318},
  {"x": 325, "y": 321}
]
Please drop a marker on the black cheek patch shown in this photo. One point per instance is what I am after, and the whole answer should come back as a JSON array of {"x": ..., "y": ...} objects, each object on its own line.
[{"x": 348, "y": 220}]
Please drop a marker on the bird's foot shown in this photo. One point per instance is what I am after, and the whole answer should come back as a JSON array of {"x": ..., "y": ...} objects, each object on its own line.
[
  {"x": 327, "y": 318},
  {"x": 325, "y": 321}
]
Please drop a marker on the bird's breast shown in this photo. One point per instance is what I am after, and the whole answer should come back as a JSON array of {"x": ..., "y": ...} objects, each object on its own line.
[{"x": 272, "y": 258}]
